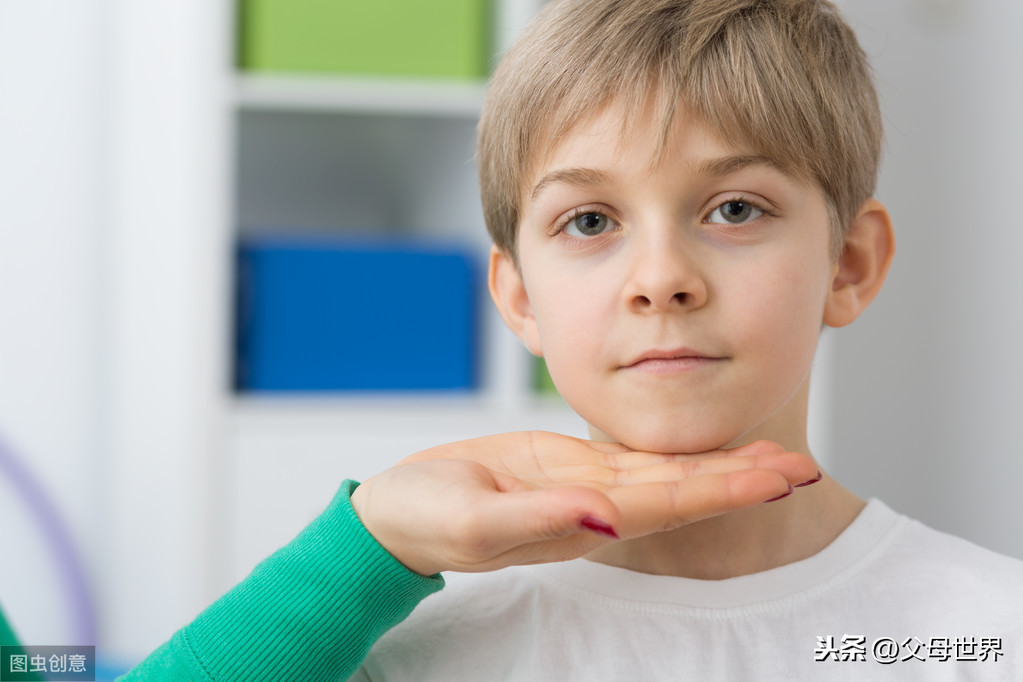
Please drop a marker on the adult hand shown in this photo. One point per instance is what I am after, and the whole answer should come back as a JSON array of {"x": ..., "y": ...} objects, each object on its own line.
[{"x": 534, "y": 497}]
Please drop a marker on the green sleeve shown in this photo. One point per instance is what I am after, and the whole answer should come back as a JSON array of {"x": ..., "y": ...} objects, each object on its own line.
[
  {"x": 9, "y": 639},
  {"x": 310, "y": 611}
]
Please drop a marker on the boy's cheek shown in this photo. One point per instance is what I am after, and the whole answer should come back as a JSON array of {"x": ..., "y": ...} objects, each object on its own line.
[
  {"x": 572, "y": 307},
  {"x": 574, "y": 360}
]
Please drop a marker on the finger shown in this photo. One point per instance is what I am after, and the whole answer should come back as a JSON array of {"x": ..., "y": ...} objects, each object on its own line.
[
  {"x": 519, "y": 446},
  {"x": 631, "y": 468},
  {"x": 607, "y": 447},
  {"x": 619, "y": 458},
  {"x": 544, "y": 445},
  {"x": 652, "y": 507},
  {"x": 757, "y": 447},
  {"x": 795, "y": 467},
  {"x": 634, "y": 459}
]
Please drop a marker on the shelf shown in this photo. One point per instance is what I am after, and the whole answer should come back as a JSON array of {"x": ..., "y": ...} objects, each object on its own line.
[
  {"x": 464, "y": 415},
  {"x": 354, "y": 94},
  {"x": 349, "y": 428}
]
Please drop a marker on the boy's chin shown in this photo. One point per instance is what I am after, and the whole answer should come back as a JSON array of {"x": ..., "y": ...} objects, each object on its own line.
[{"x": 667, "y": 442}]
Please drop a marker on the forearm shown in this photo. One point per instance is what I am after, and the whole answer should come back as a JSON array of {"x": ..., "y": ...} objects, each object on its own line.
[{"x": 310, "y": 611}]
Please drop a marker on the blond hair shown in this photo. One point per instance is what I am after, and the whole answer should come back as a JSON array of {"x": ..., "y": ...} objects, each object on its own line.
[{"x": 785, "y": 78}]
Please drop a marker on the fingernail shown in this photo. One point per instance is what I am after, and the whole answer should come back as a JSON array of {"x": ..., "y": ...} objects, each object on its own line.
[
  {"x": 791, "y": 488},
  {"x": 813, "y": 480},
  {"x": 591, "y": 523}
]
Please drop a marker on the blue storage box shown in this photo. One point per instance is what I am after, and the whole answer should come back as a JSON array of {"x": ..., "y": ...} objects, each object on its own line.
[{"x": 323, "y": 314}]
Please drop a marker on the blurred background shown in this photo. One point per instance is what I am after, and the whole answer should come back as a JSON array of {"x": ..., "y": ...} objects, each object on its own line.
[{"x": 183, "y": 181}]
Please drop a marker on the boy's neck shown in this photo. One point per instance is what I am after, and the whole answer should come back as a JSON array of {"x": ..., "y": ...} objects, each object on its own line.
[{"x": 747, "y": 541}]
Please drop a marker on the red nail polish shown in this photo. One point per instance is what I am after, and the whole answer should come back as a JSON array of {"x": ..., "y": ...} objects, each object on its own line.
[
  {"x": 791, "y": 488},
  {"x": 818, "y": 477},
  {"x": 599, "y": 527}
]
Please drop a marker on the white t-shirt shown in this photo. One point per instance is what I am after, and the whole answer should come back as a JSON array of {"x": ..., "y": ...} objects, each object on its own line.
[{"x": 885, "y": 594}]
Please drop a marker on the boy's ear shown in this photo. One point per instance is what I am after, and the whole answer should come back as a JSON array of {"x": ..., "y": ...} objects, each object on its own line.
[
  {"x": 511, "y": 299},
  {"x": 866, "y": 256}
]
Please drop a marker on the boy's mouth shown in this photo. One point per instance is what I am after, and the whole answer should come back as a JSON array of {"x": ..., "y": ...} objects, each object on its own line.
[{"x": 671, "y": 361}]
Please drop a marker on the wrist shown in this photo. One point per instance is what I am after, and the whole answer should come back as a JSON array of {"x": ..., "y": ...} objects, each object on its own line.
[{"x": 393, "y": 542}]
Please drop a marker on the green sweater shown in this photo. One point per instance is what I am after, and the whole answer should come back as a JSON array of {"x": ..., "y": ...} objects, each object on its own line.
[
  {"x": 310, "y": 611},
  {"x": 7, "y": 638}
]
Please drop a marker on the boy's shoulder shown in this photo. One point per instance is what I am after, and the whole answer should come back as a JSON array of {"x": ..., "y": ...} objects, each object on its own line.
[
  {"x": 929, "y": 571},
  {"x": 945, "y": 556}
]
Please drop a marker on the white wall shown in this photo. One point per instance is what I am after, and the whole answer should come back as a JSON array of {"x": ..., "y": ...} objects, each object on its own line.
[
  {"x": 52, "y": 89},
  {"x": 929, "y": 383},
  {"x": 113, "y": 263}
]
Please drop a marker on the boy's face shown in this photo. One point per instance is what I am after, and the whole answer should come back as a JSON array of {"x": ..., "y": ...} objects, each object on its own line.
[{"x": 678, "y": 304}]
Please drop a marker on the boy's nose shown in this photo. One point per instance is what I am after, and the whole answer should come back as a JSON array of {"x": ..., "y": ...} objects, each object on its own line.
[{"x": 664, "y": 277}]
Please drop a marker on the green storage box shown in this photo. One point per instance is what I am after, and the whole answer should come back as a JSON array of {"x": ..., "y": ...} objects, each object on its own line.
[{"x": 435, "y": 38}]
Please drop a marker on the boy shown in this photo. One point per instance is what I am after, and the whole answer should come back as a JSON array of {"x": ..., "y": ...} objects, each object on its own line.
[{"x": 679, "y": 193}]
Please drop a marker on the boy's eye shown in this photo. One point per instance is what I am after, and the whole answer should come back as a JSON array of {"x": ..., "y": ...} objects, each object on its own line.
[
  {"x": 734, "y": 212},
  {"x": 588, "y": 224}
]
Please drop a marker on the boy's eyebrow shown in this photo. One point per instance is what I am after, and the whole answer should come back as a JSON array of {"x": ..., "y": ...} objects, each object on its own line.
[
  {"x": 581, "y": 177},
  {"x": 726, "y": 165},
  {"x": 716, "y": 167}
]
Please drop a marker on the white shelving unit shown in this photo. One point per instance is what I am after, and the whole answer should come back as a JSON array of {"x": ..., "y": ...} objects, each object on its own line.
[
  {"x": 350, "y": 94},
  {"x": 202, "y": 482},
  {"x": 340, "y": 153}
]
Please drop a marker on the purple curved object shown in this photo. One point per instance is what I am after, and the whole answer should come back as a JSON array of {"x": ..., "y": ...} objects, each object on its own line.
[{"x": 59, "y": 539}]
